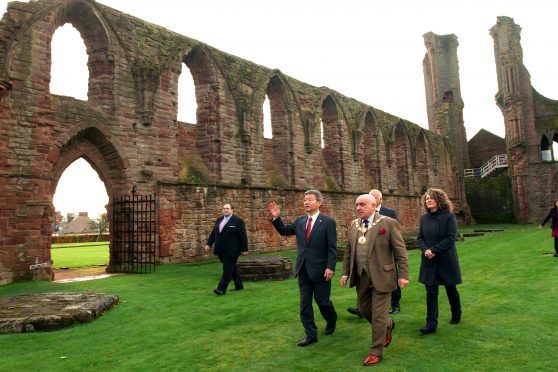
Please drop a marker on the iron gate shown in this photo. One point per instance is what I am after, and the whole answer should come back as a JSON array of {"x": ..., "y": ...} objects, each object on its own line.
[{"x": 134, "y": 233}]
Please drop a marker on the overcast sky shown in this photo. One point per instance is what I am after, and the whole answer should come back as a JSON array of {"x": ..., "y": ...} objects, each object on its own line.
[{"x": 369, "y": 50}]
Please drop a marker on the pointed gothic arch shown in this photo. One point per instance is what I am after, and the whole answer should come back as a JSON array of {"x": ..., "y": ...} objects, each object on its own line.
[
  {"x": 210, "y": 91},
  {"x": 334, "y": 141},
  {"x": 401, "y": 155},
  {"x": 371, "y": 151},
  {"x": 422, "y": 162}
]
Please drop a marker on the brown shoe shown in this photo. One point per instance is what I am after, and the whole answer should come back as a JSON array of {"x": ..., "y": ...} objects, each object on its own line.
[
  {"x": 371, "y": 360},
  {"x": 389, "y": 333}
]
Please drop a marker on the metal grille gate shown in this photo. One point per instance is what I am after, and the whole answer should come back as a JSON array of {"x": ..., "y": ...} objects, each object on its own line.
[{"x": 134, "y": 233}]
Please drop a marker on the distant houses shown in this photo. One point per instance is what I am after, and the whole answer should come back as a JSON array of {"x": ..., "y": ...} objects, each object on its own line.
[{"x": 79, "y": 224}]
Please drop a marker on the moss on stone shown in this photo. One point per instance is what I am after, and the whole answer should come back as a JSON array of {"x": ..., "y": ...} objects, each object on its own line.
[{"x": 194, "y": 170}]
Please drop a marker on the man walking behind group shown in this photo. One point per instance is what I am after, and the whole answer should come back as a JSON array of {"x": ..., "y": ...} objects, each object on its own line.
[
  {"x": 375, "y": 247},
  {"x": 316, "y": 244},
  {"x": 229, "y": 236}
]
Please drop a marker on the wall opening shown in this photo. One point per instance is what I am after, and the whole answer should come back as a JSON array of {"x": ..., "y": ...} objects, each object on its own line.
[
  {"x": 401, "y": 154},
  {"x": 333, "y": 146},
  {"x": 267, "y": 130},
  {"x": 187, "y": 106},
  {"x": 80, "y": 225},
  {"x": 69, "y": 73},
  {"x": 546, "y": 149},
  {"x": 371, "y": 152}
]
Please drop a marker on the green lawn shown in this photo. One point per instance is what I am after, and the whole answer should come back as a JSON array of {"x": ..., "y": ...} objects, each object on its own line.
[
  {"x": 170, "y": 320},
  {"x": 80, "y": 254}
]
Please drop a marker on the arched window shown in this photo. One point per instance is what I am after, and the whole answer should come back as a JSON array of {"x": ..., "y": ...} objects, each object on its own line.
[
  {"x": 187, "y": 105},
  {"x": 555, "y": 147},
  {"x": 69, "y": 74},
  {"x": 371, "y": 151},
  {"x": 546, "y": 150},
  {"x": 332, "y": 151},
  {"x": 322, "y": 143},
  {"x": 401, "y": 153},
  {"x": 267, "y": 130}
]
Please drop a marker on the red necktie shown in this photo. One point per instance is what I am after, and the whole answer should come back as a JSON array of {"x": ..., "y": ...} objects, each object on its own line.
[{"x": 308, "y": 227}]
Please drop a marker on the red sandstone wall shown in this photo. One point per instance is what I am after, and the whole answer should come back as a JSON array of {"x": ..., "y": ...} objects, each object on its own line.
[{"x": 187, "y": 214}]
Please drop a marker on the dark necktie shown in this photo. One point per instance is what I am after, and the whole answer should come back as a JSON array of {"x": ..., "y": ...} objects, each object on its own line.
[
  {"x": 308, "y": 227},
  {"x": 365, "y": 224}
]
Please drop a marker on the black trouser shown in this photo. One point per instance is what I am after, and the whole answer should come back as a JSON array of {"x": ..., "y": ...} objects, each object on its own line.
[
  {"x": 556, "y": 245},
  {"x": 320, "y": 291},
  {"x": 395, "y": 297},
  {"x": 229, "y": 272},
  {"x": 432, "y": 303}
]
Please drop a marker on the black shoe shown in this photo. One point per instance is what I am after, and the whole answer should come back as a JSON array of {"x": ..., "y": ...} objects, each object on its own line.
[
  {"x": 354, "y": 311},
  {"x": 330, "y": 327},
  {"x": 394, "y": 309},
  {"x": 555, "y": 255},
  {"x": 427, "y": 329},
  {"x": 239, "y": 288},
  {"x": 218, "y": 292},
  {"x": 455, "y": 320},
  {"x": 307, "y": 341}
]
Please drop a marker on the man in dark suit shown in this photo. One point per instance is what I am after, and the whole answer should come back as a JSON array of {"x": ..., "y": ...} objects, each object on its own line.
[
  {"x": 375, "y": 248},
  {"x": 229, "y": 236},
  {"x": 395, "y": 295},
  {"x": 316, "y": 244}
]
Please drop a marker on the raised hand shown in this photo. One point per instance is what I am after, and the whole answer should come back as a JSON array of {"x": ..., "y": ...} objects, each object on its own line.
[{"x": 274, "y": 209}]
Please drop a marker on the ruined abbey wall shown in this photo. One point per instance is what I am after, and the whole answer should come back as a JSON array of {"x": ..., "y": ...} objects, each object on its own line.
[
  {"x": 531, "y": 122},
  {"x": 128, "y": 131}
]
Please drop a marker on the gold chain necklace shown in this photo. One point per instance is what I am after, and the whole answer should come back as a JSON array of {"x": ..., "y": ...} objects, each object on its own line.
[{"x": 364, "y": 230}]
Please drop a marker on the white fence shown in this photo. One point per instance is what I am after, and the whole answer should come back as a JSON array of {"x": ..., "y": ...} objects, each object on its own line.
[{"x": 497, "y": 161}]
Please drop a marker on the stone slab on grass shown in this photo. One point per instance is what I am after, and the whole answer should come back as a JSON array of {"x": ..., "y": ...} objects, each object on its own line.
[
  {"x": 265, "y": 268},
  {"x": 51, "y": 311}
]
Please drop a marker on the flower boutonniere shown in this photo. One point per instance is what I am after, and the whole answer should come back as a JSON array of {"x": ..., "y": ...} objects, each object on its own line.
[{"x": 382, "y": 231}]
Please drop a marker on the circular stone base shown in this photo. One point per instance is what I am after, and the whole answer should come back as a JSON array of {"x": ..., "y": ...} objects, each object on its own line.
[
  {"x": 265, "y": 268},
  {"x": 51, "y": 311}
]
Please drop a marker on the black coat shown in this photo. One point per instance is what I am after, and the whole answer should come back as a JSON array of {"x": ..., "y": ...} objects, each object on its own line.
[
  {"x": 552, "y": 214},
  {"x": 320, "y": 252},
  {"x": 390, "y": 212},
  {"x": 437, "y": 232},
  {"x": 231, "y": 240}
]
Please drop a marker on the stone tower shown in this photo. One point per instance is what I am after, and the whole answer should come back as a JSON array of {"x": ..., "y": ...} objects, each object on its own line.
[
  {"x": 444, "y": 103},
  {"x": 531, "y": 122},
  {"x": 443, "y": 94}
]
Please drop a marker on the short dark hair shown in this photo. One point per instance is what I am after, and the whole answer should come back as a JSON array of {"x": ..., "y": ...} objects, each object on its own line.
[
  {"x": 319, "y": 196},
  {"x": 229, "y": 204}
]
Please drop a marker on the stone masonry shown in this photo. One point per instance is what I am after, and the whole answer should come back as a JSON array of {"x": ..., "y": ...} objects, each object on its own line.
[
  {"x": 531, "y": 122},
  {"x": 128, "y": 131}
]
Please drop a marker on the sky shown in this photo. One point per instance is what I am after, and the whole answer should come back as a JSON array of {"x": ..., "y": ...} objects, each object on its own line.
[{"x": 368, "y": 50}]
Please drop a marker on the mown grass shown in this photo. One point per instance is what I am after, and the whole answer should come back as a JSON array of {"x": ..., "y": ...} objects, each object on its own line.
[
  {"x": 170, "y": 320},
  {"x": 80, "y": 254}
]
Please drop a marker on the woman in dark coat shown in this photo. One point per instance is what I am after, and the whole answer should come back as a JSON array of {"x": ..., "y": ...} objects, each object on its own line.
[
  {"x": 439, "y": 263},
  {"x": 553, "y": 214}
]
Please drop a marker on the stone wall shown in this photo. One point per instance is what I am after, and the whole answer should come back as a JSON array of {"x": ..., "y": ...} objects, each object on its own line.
[
  {"x": 128, "y": 131},
  {"x": 188, "y": 213},
  {"x": 531, "y": 122}
]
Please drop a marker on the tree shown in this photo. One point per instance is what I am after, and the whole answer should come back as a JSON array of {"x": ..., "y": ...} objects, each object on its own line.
[{"x": 99, "y": 225}]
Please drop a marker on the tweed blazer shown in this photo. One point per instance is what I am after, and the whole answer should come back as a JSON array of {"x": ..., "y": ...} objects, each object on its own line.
[{"x": 386, "y": 249}]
